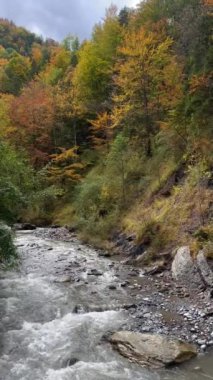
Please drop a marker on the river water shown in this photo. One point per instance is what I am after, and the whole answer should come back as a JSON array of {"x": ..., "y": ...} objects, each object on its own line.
[{"x": 52, "y": 330}]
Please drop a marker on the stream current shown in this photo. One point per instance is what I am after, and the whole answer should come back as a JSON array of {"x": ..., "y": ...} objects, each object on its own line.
[{"x": 52, "y": 330}]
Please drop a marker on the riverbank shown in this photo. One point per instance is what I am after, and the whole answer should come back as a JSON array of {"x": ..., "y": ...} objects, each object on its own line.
[{"x": 159, "y": 305}]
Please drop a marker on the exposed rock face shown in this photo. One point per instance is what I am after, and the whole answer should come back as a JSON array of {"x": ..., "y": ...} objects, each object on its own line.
[
  {"x": 184, "y": 269},
  {"x": 128, "y": 246},
  {"x": 152, "y": 350},
  {"x": 136, "y": 260},
  {"x": 204, "y": 269}
]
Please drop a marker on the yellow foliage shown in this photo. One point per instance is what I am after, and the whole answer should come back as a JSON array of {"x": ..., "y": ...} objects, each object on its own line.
[
  {"x": 65, "y": 166},
  {"x": 66, "y": 154},
  {"x": 101, "y": 129}
]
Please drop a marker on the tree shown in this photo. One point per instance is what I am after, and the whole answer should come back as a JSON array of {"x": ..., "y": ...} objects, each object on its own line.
[
  {"x": 16, "y": 182},
  {"x": 71, "y": 128},
  {"x": 5, "y": 122},
  {"x": 36, "y": 58},
  {"x": 7, "y": 248},
  {"x": 17, "y": 73},
  {"x": 59, "y": 62},
  {"x": 72, "y": 44},
  {"x": 17, "y": 38},
  {"x": 101, "y": 130},
  {"x": 124, "y": 16},
  {"x": 65, "y": 166},
  {"x": 32, "y": 116},
  {"x": 93, "y": 74},
  {"x": 149, "y": 84},
  {"x": 116, "y": 168},
  {"x": 188, "y": 22}
]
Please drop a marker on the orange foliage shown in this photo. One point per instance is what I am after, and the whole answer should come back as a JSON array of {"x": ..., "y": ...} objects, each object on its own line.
[
  {"x": 3, "y": 62},
  {"x": 199, "y": 82},
  {"x": 36, "y": 54},
  {"x": 208, "y": 2},
  {"x": 32, "y": 115}
]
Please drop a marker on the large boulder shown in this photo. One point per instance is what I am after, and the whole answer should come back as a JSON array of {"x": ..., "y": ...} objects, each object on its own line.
[
  {"x": 152, "y": 350},
  {"x": 204, "y": 269},
  {"x": 184, "y": 269}
]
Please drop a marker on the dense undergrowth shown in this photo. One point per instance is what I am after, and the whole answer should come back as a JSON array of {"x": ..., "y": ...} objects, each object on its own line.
[{"x": 168, "y": 206}]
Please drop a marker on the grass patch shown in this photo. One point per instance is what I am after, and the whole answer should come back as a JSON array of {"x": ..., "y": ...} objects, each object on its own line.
[{"x": 179, "y": 219}]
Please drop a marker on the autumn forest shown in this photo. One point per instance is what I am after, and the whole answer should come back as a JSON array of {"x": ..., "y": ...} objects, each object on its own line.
[{"x": 113, "y": 133}]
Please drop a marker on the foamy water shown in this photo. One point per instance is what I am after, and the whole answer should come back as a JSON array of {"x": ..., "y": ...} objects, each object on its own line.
[{"x": 42, "y": 336}]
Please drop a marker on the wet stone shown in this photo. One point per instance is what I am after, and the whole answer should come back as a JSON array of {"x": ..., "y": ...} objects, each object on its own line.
[
  {"x": 112, "y": 287},
  {"x": 94, "y": 272}
]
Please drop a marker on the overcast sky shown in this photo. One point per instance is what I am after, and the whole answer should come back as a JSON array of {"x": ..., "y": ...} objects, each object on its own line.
[{"x": 58, "y": 18}]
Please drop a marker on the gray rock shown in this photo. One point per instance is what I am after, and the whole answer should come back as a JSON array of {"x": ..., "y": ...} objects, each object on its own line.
[
  {"x": 205, "y": 270},
  {"x": 112, "y": 286},
  {"x": 152, "y": 350},
  {"x": 79, "y": 309},
  {"x": 201, "y": 342},
  {"x": 124, "y": 284},
  {"x": 94, "y": 272},
  {"x": 105, "y": 254},
  {"x": 184, "y": 269},
  {"x": 72, "y": 361},
  {"x": 146, "y": 329},
  {"x": 63, "y": 279},
  {"x": 137, "y": 260}
]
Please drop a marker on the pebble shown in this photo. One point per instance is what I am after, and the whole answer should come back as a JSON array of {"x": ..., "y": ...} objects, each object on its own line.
[
  {"x": 147, "y": 315},
  {"x": 146, "y": 329},
  {"x": 210, "y": 343},
  {"x": 201, "y": 342},
  {"x": 197, "y": 368},
  {"x": 194, "y": 337},
  {"x": 124, "y": 284}
]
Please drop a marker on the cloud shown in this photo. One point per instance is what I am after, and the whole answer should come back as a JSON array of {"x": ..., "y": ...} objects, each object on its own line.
[{"x": 56, "y": 19}]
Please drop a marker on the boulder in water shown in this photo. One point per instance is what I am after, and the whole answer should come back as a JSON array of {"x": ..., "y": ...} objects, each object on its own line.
[{"x": 152, "y": 350}]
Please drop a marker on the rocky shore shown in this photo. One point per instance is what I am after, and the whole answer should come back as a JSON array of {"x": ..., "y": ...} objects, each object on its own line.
[{"x": 175, "y": 301}]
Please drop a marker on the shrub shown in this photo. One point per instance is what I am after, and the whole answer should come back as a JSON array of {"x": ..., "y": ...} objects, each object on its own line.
[{"x": 7, "y": 249}]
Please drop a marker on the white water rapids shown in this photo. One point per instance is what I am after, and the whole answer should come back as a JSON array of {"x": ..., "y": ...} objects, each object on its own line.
[{"x": 42, "y": 335}]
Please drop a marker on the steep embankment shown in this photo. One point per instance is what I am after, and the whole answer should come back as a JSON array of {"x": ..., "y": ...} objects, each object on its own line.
[
  {"x": 172, "y": 210},
  {"x": 179, "y": 213}
]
